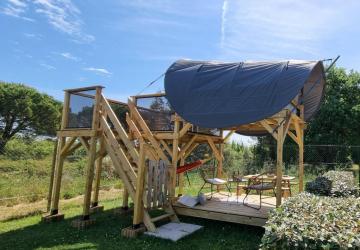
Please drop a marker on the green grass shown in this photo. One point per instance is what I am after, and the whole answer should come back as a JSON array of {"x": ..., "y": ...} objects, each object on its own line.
[
  {"x": 30, "y": 233},
  {"x": 30, "y": 178}
]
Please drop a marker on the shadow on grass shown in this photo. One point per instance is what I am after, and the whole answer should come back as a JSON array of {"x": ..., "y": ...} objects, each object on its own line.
[{"x": 105, "y": 234}]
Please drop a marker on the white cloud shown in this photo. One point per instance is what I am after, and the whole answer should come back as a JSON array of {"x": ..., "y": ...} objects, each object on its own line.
[
  {"x": 16, "y": 8},
  {"x": 33, "y": 36},
  {"x": 64, "y": 16},
  {"x": 18, "y": 3},
  {"x": 99, "y": 71},
  {"x": 69, "y": 56},
  {"x": 47, "y": 66},
  {"x": 279, "y": 28}
]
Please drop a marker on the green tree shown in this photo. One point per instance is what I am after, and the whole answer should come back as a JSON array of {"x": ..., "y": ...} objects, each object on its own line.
[
  {"x": 24, "y": 110},
  {"x": 338, "y": 120}
]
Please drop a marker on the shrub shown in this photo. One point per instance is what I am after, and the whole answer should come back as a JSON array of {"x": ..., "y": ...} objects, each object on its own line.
[
  {"x": 333, "y": 183},
  {"x": 320, "y": 186},
  {"x": 22, "y": 149},
  {"x": 308, "y": 221},
  {"x": 343, "y": 183}
]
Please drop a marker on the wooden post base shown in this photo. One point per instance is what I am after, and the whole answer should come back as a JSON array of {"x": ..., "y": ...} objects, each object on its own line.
[
  {"x": 96, "y": 209},
  {"x": 82, "y": 224},
  {"x": 131, "y": 232},
  {"x": 51, "y": 218}
]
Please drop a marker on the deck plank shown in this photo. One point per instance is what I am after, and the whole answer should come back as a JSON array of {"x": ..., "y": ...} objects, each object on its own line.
[{"x": 224, "y": 208}]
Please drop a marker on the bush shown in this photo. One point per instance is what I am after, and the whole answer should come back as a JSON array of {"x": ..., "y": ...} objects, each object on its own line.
[
  {"x": 22, "y": 149},
  {"x": 320, "y": 186},
  {"x": 308, "y": 221},
  {"x": 333, "y": 183},
  {"x": 343, "y": 183}
]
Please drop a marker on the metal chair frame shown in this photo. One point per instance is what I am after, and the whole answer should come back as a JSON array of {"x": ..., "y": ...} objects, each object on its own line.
[{"x": 256, "y": 181}]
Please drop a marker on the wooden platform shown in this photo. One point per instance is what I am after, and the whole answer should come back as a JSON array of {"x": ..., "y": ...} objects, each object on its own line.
[{"x": 222, "y": 208}]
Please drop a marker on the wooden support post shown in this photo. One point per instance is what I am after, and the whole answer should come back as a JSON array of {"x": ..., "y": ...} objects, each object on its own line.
[
  {"x": 125, "y": 205},
  {"x": 279, "y": 162},
  {"x": 59, "y": 160},
  {"x": 220, "y": 160},
  {"x": 301, "y": 163},
  {"x": 95, "y": 200},
  {"x": 301, "y": 151},
  {"x": 140, "y": 181},
  {"x": 174, "y": 157},
  {"x": 91, "y": 157},
  {"x": 181, "y": 177},
  {"x": 57, "y": 177},
  {"x": 52, "y": 176}
]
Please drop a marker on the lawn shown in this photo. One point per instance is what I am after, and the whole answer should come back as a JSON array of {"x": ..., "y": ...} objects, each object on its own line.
[{"x": 30, "y": 233}]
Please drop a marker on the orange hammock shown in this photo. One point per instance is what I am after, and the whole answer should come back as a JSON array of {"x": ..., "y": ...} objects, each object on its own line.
[{"x": 191, "y": 166}]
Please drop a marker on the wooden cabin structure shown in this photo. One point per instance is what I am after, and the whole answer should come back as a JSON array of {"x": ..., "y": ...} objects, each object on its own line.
[{"x": 147, "y": 141}]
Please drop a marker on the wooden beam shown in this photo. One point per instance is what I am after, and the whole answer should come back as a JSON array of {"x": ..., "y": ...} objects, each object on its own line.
[
  {"x": 191, "y": 149},
  {"x": 76, "y": 132},
  {"x": 175, "y": 155},
  {"x": 147, "y": 132},
  {"x": 134, "y": 129},
  {"x": 59, "y": 161},
  {"x": 269, "y": 129},
  {"x": 227, "y": 137},
  {"x": 91, "y": 156},
  {"x": 184, "y": 129},
  {"x": 83, "y": 89},
  {"x": 98, "y": 169},
  {"x": 120, "y": 130},
  {"x": 85, "y": 143},
  {"x": 68, "y": 145},
  {"x": 166, "y": 147},
  {"x": 218, "y": 156},
  {"x": 293, "y": 136},
  {"x": 140, "y": 181},
  {"x": 187, "y": 145},
  {"x": 279, "y": 163},
  {"x": 52, "y": 176},
  {"x": 181, "y": 177},
  {"x": 73, "y": 148},
  {"x": 287, "y": 124},
  {"x": 125, "y": 204}
]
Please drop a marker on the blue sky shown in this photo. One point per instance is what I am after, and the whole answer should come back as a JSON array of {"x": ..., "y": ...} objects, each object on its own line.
[{"x": 123, "y": 45}]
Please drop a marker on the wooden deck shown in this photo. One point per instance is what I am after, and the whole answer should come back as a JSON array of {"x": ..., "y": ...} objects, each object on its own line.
[{"x": 222, "y": 208}]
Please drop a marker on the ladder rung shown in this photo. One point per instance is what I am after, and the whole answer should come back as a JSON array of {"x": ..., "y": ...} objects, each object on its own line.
[{"x": 161, "y": 217}]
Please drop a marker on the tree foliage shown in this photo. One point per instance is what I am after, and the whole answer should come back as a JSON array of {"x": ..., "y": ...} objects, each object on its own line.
[
  {"x": 337, "y": 121},
  {"x": 24, "y": 110}
]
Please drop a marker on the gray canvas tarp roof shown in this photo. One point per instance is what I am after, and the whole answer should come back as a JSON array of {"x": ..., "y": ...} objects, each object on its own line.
[{"x": 223, "y": 95}]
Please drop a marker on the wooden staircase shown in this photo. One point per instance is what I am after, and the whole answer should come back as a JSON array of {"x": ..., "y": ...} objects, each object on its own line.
[{"x": 129, "y": 160}]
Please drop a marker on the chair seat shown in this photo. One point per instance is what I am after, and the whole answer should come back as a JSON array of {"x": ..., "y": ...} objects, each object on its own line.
[
  {"x": 216, "y": 181},
  {"x": 265, "y": 186}
]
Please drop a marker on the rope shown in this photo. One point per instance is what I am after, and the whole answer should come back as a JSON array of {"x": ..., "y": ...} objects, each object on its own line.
[{"x": 151, "y": 83}]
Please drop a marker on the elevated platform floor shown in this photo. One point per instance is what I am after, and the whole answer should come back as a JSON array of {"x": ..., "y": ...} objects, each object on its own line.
[{"x": 222, "y": 208}]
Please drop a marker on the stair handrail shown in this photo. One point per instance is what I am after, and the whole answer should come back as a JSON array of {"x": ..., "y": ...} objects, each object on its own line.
[{"x": 120, "y": 130}]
